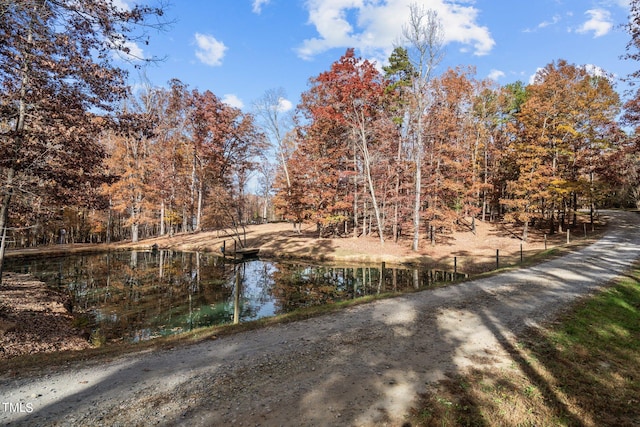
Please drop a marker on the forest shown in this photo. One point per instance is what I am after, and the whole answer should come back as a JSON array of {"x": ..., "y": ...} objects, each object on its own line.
[{"x": 407, "y": 150}]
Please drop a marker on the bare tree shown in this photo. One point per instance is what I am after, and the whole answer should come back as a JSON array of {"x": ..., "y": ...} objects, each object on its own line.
[
  {"x": 267, "y": 172},
  {"x": 424, "y": 36},
  {"x": 276, "y": 121}
]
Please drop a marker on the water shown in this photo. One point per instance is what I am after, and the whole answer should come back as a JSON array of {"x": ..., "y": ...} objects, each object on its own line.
[{"x": 136, "y": 295}]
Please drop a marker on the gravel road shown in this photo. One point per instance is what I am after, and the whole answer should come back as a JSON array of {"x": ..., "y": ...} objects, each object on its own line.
[{"x": 363, "y": 366}]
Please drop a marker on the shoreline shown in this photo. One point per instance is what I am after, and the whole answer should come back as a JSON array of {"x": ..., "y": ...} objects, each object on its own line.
[{"x": 277, "y": 241}]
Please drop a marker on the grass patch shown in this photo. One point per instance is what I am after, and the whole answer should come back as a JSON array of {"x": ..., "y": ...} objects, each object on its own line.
[{"x": 583, "y": 370}]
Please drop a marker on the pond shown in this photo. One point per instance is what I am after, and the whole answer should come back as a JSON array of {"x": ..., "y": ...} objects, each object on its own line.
[{"x": 140, "y": 295}]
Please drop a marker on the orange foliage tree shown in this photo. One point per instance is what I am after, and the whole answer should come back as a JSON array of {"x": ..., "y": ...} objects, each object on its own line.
[
  {"x": 345, "y": 146},
  {"x": 567, "y": 119},
  {"x": 226, "y": 144}
]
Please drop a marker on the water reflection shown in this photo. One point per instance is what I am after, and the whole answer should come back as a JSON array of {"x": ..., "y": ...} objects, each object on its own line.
[{"x": 141, "y": 295}]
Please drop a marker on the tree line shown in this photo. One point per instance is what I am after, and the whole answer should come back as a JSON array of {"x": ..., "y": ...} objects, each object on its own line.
[
  {"x": 405, "y": 151},
  {"x": 401, "y": 150}
]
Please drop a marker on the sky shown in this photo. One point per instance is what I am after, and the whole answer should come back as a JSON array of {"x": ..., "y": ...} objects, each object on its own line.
[{"x": 239, "y": 49}]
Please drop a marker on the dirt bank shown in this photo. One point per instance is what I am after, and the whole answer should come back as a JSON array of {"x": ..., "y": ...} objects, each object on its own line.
[
  {"x": 475, "y": 250},
  {"x": 35, "y": 319}
]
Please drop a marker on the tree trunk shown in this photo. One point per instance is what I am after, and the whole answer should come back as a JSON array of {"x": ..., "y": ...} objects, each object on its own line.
[
  {"x": 486, "y": 180},
  {"x": 416, "y": 206},
  {"x": 4, "y": 218},
  {"x": 396, "y": 211},
  {"x": 3, "y": 245},
  {"x": 265, "y": 209},
  {"x": 592, "y": 205},
  {"x": 364, "y": 218},
  {"x": 199, "y": 211},
  {"x": 285, "y": 168},
  {"x": 355, "y": 197},
  {"x": 19, "y": 130},
  {"x": 194, "y": 186},
  {"x": 135, "y": 229},
  {"x": 162, "y": 215},
  {"x": 560, "y": 220},
  {"x": 367, "y": 168},
  {"x": 418, "y": 184},
  {"x": 185, "y": 219}
]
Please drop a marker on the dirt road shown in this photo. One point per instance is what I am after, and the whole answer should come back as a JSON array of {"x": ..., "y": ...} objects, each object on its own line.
[{"x": 363, "y": 366}]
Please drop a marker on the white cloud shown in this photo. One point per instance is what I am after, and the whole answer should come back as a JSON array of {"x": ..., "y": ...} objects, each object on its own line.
[
  {"x": 135, "y": 51},
  {"x": 284, "y": 105},
  {"x": 496, "y": 74},
  {"x": 625, "y": 4},
  {"x": 210, "y": 51},
  {"x": 374, "y": 26},
  {"x": 233, "y": 100},
  {"x": 536, "y": 76},
  {"x": 600, "y": 22},
  {"x": 591, "y": 69},
  {"x": 122, "y": 4},
  {"x": 554, "y": 20},
  {"x": 257, "y": 5},
  {"x": 596, "y": 71}
]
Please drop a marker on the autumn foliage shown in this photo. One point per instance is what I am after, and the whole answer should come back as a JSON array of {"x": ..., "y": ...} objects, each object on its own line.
[
  {"x": 526, "y": 154},
  {"x": 409, "y": 150}
]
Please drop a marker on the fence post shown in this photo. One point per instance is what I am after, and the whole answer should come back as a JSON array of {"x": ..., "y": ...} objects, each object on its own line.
[
  {"x": 455, "y": 266},
  {"x": 497, "y": 259},
  {"x": 585, "y": 230},
  {"x": 545, "y": 242},
  {"x": 521, "y": 258},
  {"x": 568, "y": 235},
  {"x": 236, "y": 299}
]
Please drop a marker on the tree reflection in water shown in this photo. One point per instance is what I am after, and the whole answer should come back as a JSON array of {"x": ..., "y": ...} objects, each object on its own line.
[{"x": 140, "y": 295}]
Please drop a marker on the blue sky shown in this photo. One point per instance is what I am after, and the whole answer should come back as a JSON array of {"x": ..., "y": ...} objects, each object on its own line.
[{"x": 239, "y": 49}]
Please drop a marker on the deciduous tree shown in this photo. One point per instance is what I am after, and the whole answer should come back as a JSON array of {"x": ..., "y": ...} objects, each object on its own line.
[
  {"x": 276, "y": 120},
  {"x": 226, "y": 144},
  {"x": 566, "y": 120},
  {"x": 424, "y": 37},
  {"x": 56, "y": 72},
  {"x": 130, "y": 159},
  {"x": 346, "y": 111}
]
